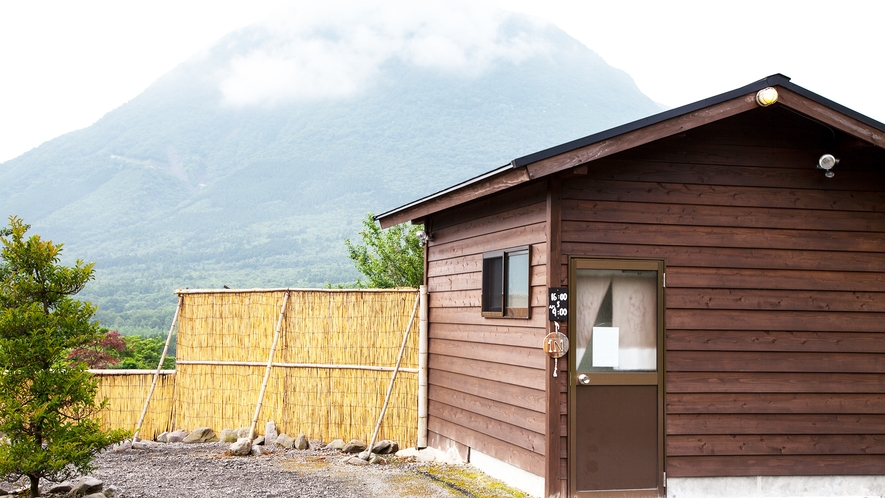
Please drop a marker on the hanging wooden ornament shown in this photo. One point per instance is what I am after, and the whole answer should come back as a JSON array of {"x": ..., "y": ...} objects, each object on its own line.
[{"x": 556, "y": 346}]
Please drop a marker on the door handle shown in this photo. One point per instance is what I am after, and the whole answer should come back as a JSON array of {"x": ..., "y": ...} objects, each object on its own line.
[{"x": 583, "y": 379}]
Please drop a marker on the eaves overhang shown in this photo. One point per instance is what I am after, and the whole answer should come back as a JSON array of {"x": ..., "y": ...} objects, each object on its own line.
[{"x": 583, "y": 150}]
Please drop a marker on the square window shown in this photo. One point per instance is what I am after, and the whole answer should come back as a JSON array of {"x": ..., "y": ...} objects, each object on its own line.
[{"x": 505, "y": 283}]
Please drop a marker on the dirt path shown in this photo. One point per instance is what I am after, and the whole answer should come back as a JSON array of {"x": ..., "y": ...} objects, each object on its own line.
[{"x": 203, "y": 470}]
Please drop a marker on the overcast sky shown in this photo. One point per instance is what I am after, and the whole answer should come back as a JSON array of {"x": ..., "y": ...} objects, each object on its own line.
[{"x": 65, "y": 64}]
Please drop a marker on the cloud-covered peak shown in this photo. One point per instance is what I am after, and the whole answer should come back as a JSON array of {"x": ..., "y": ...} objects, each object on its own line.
[{"x": 334, "y": 49}]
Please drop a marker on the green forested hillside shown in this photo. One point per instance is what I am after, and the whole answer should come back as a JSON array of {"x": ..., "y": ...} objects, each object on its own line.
[{"x": 178, "y": 189}]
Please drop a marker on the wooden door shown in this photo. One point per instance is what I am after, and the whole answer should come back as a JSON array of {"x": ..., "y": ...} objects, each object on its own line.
[{"x": 616, "y": 389}]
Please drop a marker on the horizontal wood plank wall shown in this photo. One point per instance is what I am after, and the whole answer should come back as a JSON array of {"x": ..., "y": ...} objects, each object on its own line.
[
  {"x": 486, "y": 375},
  {"x": 775, "y": 289}
]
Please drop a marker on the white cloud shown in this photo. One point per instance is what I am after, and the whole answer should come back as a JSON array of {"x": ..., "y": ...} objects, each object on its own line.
[{"x": 334, "y": 51}]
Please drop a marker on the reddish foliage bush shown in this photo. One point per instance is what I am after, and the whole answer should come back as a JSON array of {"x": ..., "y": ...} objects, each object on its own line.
[{"x": 101, "y": 354}]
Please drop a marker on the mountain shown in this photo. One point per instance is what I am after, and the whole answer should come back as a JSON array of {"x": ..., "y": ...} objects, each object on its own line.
[{"x": 249, "y": 164}]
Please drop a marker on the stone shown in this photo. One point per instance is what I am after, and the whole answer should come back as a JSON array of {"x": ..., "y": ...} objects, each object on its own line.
[
  {"x": 260, "y": 450},
  {"x": 285, "y": 441},
  {"x": 355, "y": 461},
  {"x": 354, "y": 446},
  {"x": 243, "y": 432},
  {"x": 201, "y": 435},
  {"x": 95, "y": 495},
  {"x": 176, "y": 437},
  {"x": 242, "y": 447},
  {"x": 301, "y": 442},
  {"x": 121, "y": 447},
  {"x": 162, "y": 437},
  {"x": 270, "y": 433},
  {"x": 61, "y": 488},
  {"x": 370, "y": 457},
  {"x": 228, "y": 436},
  {"x": 111, "y": 492},
  {"x": 86, "y": 486},
  {"x": 260, "y": 440},
  {"x": 385, "y": 447},
  {"x": 144, "y": 445},
  {"x": 337, "y": 444}
]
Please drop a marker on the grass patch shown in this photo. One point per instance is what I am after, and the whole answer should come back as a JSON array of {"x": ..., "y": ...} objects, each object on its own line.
[{"x": 466, "y": 480}]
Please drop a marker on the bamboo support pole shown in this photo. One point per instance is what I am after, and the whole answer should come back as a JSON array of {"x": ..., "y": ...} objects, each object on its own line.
[
  {"x": 273, "y": 348},
  {"x": 399, "y": 360},
  {"x": 159, "y": 368},
  {"x": 422, "y": 370}
]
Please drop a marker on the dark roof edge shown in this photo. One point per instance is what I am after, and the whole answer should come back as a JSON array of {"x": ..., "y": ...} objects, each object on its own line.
[
  {"x": 851, "y": 113},
  {"x": 446, "y": 190},
  {"x": 773, "y": 80},
  {"x": 777, "y": 79}
]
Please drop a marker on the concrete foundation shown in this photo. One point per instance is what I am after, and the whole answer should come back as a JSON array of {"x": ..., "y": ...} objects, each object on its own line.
[
  {"x": 779, "y": 487},
  {"x": 513, "y": 476}
]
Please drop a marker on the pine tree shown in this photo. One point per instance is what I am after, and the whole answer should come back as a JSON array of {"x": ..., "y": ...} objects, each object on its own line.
[{"x": 47, "y": 403}]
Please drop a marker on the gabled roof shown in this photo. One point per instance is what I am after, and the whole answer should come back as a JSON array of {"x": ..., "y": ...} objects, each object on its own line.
[{"x": 642, "y": 131}]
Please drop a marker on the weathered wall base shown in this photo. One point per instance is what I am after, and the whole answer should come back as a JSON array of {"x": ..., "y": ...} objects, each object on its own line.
[
  {"x": 447, "y": 445},
  {"x": 776, "y": 486},
  {"x": 512, "y": 475}
]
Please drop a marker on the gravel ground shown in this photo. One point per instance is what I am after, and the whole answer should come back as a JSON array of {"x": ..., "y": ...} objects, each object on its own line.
[{"x": 204, "y": 470}]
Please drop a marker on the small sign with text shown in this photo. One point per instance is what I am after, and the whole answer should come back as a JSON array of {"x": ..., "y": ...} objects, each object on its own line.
[{"x": 557, "y": 306}]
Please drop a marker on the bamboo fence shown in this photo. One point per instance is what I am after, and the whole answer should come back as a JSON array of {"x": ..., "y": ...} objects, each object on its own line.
[
  {"x": 125, "y": 392},
  {"x": 330, "y": 372}
]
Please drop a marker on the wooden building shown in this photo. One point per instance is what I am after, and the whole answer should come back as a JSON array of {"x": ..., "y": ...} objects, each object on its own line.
[{"x": 724, "y": 265}]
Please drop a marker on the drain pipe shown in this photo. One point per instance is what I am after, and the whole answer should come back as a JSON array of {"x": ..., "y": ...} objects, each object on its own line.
[{"x": 422, "y": 370}]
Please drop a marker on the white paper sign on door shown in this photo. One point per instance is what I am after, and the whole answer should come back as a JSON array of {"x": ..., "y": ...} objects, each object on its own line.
[{"x": 605, "y": 346}]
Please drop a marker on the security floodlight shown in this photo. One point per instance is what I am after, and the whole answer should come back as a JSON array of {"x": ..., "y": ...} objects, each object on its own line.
[{"x": 826, "y": 163}]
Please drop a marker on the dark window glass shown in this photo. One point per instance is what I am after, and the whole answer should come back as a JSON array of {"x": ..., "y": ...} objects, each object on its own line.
[{"x": 493, "y": 284}]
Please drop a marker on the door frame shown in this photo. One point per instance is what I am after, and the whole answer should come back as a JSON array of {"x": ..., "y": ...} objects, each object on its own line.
[{"x": 595, "y": 263}]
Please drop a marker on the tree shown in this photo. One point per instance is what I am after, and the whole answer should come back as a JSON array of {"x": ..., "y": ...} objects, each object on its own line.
[
  {"x": 143, "y": 353},
  {"x": 133, "y": 352},
  {"x": 104, "y": 352},
  {"x": 47, "y": 403},
  {"x": 388, "y": 258}
]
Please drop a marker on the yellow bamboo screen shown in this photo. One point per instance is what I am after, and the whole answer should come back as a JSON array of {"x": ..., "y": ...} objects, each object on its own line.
[
  {"x": 125, "y": 391},
  {"x": 311, "y": 390}
]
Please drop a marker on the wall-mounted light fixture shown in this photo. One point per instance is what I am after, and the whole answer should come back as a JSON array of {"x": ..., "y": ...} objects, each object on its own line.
[
  {"x": 826, "y": 163},
  {"x": 766, "y": 96},
  {"x": 423, "y": 237}
]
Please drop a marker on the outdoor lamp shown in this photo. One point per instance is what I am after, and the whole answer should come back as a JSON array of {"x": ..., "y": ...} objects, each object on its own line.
[{"x": 766, "y": 96}]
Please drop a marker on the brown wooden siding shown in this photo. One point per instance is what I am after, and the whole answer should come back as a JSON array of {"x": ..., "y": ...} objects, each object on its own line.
[
  {"x": 775, "y": 319},
  {"x": 487, "y": 375}
]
